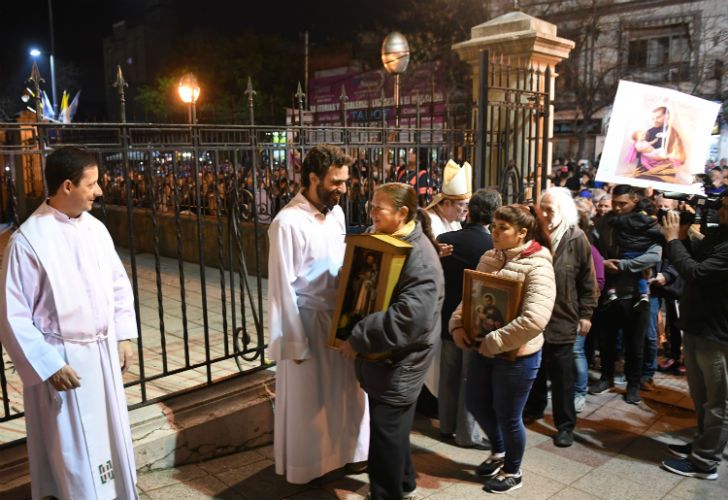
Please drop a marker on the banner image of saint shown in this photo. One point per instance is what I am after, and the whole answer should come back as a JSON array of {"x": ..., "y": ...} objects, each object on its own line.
[
  {"x": 361, "y": 291},
  {"x": 487, "y": 313},
  {"x": 657, "y": 138}
]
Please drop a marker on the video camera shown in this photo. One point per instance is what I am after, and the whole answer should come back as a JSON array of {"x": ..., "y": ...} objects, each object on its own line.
[{"x": 706, "y": 207}]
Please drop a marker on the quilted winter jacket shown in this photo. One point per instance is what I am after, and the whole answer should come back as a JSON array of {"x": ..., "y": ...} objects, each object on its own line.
[{"x": 524, "y": 333}]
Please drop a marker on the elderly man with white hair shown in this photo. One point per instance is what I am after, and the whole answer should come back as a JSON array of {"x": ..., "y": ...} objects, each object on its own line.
[{"x": 576, "y": 298}]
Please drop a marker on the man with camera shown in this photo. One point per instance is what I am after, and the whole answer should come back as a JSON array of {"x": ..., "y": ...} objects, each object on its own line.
[{"x": 703, "y": 265}]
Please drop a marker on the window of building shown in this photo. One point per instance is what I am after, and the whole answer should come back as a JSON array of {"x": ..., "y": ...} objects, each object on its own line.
[{"x": 664, "y": 49}]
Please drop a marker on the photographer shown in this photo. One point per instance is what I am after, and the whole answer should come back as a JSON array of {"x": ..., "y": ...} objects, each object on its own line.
[{"x": 703, "y": 266}]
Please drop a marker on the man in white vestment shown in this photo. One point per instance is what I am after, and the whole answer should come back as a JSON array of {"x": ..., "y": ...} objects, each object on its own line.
[
  {"x": 66, "y": 320},
  {"x": 321, "y": 414},
  {"x": 447, "y": 210}
]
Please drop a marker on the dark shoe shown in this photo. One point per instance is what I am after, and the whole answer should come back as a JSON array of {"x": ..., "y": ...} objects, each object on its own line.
[
  {"x": 685, "y": 467},
  {"x": 503, "y": 483},
  {"x": 643, "y": 304},
  {"x": 483, "y": 444},
  {"x": 647, "y": 384},
  {"x": 633, "y": 394},
  {"x": 681, "y": 370},
  {"x": 529, "y": 418},
  {"x": 356, "y": 467},
  {"x": 564, "y": 439},
  {"x": 492, "y": 465},
  {"x": 680, "y": 450},
  {"x": 666, "y": 365},
  {"x": 600, "y": 387}
]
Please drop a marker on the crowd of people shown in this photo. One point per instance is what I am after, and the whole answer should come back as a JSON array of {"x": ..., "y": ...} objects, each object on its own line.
[
  {"x": 599, "y": 276},
  {"x": 222, "y": 186}
]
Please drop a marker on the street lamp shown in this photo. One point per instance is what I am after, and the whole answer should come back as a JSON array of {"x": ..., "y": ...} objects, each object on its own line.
[
  {"x": 34, "y": 52},
  {"x": 189, "y": 91},
  {"x": 395, "y": 57}
]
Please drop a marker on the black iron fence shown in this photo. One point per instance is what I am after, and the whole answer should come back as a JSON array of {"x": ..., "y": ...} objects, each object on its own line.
[{"x": 176, "y": 195}]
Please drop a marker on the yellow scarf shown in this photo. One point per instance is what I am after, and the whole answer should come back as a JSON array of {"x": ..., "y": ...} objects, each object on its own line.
[{"x": 405, "y": 230}]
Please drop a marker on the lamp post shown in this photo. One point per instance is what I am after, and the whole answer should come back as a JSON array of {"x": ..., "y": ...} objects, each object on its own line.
[
  {"x": 35, "y": 54},
  {"x": 395, "y": 58},
  {"x": 189, "y": 91}
]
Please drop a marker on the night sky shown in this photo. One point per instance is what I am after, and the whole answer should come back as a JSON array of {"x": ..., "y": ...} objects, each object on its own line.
[{"x": 81, "y": 25}]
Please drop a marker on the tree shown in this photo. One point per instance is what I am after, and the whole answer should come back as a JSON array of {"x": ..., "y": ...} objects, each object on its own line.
[{"x": 223, "y": 65}]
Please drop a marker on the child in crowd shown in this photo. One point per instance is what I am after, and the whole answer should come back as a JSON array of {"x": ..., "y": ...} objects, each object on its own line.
[{"x": 635, "y": 233}]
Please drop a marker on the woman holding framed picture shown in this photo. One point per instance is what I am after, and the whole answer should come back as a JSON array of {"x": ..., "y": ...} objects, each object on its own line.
[
  {"x": 407, "y": 331},
  {"x": 505, "y": 363}
]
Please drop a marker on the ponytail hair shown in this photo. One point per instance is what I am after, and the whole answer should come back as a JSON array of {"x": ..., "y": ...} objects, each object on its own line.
[
  {"x": 529, "y": 218},
  {"x": 403, "y": 195}
]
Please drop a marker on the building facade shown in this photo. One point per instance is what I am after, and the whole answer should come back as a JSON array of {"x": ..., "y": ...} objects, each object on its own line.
[{"x": 671, "y": 43}]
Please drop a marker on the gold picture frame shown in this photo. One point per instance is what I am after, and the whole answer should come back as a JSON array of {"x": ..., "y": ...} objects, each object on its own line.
[
  {"x": 372, "y": 265},
  {"x": 489, "y": 302}
]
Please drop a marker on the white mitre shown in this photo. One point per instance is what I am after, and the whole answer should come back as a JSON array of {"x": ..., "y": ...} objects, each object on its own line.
[{"x": 456, "y": 183}]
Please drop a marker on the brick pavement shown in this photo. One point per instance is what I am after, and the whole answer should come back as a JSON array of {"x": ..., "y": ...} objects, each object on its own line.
[{"x": 616, "y": 456}]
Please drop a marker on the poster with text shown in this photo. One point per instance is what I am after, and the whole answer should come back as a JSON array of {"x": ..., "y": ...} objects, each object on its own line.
[{"x": 657, "y": 138}]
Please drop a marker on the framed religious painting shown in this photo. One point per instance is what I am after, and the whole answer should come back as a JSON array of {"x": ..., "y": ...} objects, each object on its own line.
[
  {"x": 489, "y": 302},
  {"x": 372, "y": 265}
]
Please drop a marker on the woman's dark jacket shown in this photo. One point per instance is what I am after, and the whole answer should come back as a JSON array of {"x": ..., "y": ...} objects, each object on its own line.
[
  {"x": 408, "y": 329},
  {"x": 576, "y": 287}
]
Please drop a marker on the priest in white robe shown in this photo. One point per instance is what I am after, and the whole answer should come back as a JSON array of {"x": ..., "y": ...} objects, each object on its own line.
[
  {"x": 447, "y": 211},
  {"x": 66, "y": 319},
  {"x": 321, "y": 414}
]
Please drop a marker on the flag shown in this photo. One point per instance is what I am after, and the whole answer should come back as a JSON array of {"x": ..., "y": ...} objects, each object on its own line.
[
  {"x": 73, "y": 107},
  {"x": 48, "y": 112},
  {"x": 63, "y": 111}
]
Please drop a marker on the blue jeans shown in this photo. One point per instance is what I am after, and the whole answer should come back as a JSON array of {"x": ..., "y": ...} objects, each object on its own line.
[
  {"x": 649, "y": 363},
  {"x": 496, "y": 393},
  {"x": 581, "y": 366}
]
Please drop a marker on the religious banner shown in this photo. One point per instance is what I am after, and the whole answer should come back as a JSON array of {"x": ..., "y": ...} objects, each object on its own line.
[
  {"x": 489, "y": 303},
  {"x": 657, "y": 138},
  {"x": 372, "y": 265}
]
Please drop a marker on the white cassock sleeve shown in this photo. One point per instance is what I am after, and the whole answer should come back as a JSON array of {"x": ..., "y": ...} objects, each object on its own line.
[
  {"x": 288, "y": 339},
  {"x": 34, "y": 358},
  {"x": 125, "y": 325}
]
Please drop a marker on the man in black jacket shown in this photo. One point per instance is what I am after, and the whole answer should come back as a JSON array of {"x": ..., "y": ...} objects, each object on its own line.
[
  {"x": 576, "y": 298},
  {"x": 469, "y": 244},
  {"x": 704, "y": 307},
  {"x": 622, "y": 313}
]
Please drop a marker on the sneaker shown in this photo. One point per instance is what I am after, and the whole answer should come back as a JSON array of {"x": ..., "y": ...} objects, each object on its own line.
[
  {"x": 633, "y": 395},
  {"x": 680, "y": 450},
  {"x": 609, "y": 299},
  {"x": 503, "y": 483},
  {"x": 410, "y": 495},
  {"x": 647, "y": 384},
  {"x": 643, "y": 303},
  {"x": 579, "y": 403},
  {"x": 685, "y": 467},
  {"x": 492, "y": 465},
  {"x": 600, "y": 387},
  {"x": 564, "y": 439},
  {"x": 620, "y": 379}
]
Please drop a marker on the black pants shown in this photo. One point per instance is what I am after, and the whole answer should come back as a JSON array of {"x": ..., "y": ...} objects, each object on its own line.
[
  {"x": 390, "y": 461},
  {"x": 622, "y": 314},
  {"x": 557, "y": 364},
  {"x": 673, "y": 329}
]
